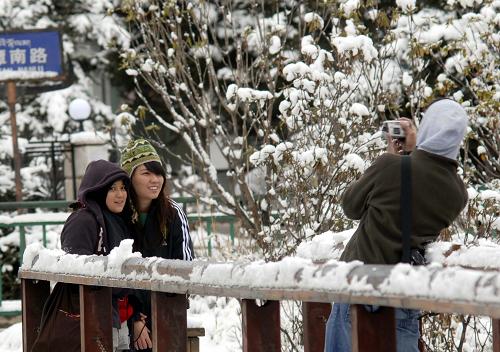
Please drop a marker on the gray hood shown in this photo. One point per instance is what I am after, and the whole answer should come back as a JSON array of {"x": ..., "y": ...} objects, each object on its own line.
[{"x": 442, "y": 129}]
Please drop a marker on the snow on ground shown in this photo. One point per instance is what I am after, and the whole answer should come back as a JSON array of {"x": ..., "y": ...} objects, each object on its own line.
[
  {"x": 221, "y": 244},
  {"x": 11, "y": 339},
  {"x": 483, "y": 254},
  {"x": 221, "y": 320},
  {"x": 10, "y": 305}
]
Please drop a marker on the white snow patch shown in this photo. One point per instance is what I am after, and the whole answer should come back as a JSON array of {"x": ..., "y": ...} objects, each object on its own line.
[{"x": 89, "y": 138}]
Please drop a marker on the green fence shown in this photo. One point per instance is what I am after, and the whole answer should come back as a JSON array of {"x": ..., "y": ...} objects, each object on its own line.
[{"x": 27, "y": 220}]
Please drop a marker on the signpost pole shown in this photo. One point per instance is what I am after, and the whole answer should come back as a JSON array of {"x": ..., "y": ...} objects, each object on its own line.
[{"x": 11, "y": 101}]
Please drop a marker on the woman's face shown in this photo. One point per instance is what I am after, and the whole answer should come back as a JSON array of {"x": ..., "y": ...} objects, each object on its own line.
[
  {"x": 116, "y": 197},
  {"x": 147, "y": 185}
]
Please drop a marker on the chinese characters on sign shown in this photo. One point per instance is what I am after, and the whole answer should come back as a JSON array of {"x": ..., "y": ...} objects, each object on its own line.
[{"x": 25, "y": 55}]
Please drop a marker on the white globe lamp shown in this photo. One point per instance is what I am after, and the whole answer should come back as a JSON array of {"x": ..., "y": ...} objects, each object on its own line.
[{"x": 79, "y": 110}]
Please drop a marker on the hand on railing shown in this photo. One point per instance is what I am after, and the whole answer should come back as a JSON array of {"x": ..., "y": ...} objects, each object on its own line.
[{"x": 142, "y": 337}]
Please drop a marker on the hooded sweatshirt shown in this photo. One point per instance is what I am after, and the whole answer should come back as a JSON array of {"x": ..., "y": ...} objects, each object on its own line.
[
  {"x": 442, "y": 129},
  {"x": 85, "y": 230},
  {"x": 438, "y": 193},
  {"x": 92, "y": 229}
]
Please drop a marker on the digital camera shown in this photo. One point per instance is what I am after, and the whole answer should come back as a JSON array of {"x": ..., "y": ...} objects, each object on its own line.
[{"x": 394, "y": 129}]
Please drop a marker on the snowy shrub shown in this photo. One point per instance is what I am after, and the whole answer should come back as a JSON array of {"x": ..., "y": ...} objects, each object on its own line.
[
  {"x": 305, "y": 101},
  {"x": 293, "y": 94}
]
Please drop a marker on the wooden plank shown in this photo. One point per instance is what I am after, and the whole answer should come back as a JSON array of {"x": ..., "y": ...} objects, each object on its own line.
[
  {"x": 261, "y": 326},
  {"x": 373, "y": 332},
  {"x": 479, "y": 307},
  {"x": 169, "y": 322},
  {"x": 195, "y": 332},
  {"x": 34, "y": 295},
  {"x": 315, "y": 316},
  {"x": 496, "y": 334},
  {"x": 96, "y": 319}
]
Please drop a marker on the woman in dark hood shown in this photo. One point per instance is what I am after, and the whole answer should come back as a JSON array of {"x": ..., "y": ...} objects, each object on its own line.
[
  {"x": 96, "y": 227},
  {"x": 97, "y": 224}
]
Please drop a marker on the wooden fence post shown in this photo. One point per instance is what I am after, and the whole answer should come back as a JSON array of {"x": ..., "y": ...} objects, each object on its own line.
[
  {"x": 193, "y": 335},
  {"x": 373, "y": 332},
  {"x": 169, "y": 322},
  {"x": 96, "y": 319},
  {"x": 496, "y": 334},
  {"x": 421, "y": 344},
  {"x": 261, "y": 326},
  {"x": 315, "y": 316},
  {"x": 34, "y": 295}
]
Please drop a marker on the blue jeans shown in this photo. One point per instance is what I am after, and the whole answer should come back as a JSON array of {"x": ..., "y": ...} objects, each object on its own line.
[{"x": 338, "y": 329}]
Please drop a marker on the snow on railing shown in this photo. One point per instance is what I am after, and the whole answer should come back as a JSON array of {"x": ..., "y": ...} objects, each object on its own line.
[{"x": 463, "y": 290}]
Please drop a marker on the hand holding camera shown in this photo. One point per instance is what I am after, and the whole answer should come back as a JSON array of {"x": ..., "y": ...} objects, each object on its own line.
[
  {"x": 393, "y": 129},
  {"x": 401, "y": 135}
]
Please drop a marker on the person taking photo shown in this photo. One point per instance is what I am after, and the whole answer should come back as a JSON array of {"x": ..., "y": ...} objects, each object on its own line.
[{"x": 438, "y": 197}]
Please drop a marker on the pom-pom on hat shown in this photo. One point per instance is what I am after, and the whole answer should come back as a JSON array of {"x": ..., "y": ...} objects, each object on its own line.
[{"x": 137, "y": 152}]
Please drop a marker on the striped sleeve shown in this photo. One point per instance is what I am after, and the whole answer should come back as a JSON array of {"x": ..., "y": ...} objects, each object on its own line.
[{"x": 184, "y": 240}]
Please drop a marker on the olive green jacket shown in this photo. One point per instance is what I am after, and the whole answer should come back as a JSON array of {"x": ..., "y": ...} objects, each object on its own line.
[{"x": 438, "y": 196}]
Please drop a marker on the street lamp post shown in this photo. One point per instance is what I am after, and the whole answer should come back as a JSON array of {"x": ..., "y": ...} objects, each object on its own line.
[{"x": 79, "y": 110}]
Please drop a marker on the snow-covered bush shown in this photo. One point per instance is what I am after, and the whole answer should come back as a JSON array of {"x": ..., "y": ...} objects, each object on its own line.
[
  {"x": 296, "y": 93},
  {"x": 293, "y": 94},
  {"x": 293, "y": 116}
]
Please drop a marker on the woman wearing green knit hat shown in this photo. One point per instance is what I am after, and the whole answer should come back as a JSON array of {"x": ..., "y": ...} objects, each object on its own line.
[{"x": 161, "y": 226}]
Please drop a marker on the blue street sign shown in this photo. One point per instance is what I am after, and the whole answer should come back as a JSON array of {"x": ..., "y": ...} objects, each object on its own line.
[{"x": 30, "y": 55}]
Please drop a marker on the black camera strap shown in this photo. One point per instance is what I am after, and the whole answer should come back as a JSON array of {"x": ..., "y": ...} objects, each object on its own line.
[{"x": 406, "y": 210}]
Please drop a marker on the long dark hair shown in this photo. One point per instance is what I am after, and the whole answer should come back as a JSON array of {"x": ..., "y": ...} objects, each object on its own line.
[{"x": 164, "y": 211}]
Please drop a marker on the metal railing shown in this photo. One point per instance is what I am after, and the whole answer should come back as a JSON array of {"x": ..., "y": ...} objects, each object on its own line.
[
  {"x": 207, "y": 218},
  {"x": 313, "y": 284}
]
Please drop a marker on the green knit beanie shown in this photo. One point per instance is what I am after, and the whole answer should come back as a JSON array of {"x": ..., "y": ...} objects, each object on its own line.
[{"x": 137, "y": 152}]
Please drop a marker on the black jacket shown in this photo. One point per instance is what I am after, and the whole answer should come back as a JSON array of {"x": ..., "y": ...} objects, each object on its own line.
[
  {"x": 176, "y": 245},
  {"x": 85, "y": 231},
  {"x": 438, "y": 197}
]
